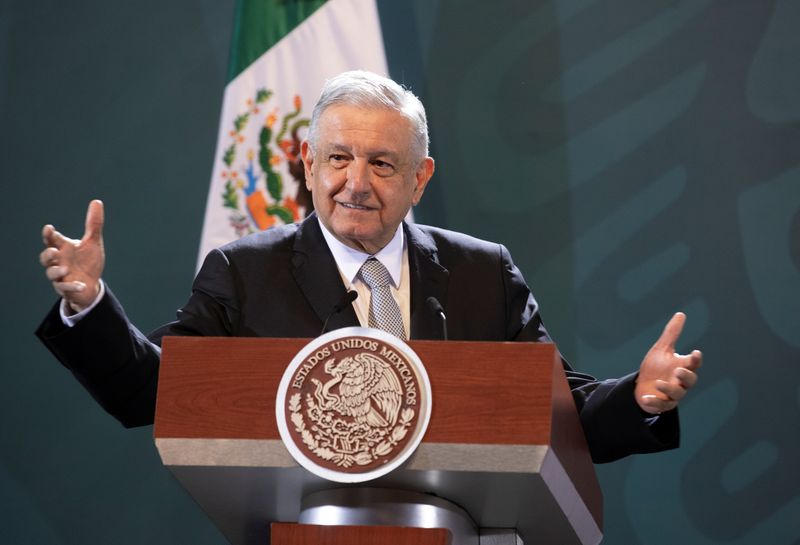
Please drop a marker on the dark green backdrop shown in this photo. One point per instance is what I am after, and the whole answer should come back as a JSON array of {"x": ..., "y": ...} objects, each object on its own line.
[{"x": 637, "y": 157}]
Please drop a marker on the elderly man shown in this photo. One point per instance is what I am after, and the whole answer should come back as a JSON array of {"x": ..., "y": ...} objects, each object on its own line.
[{"x": 366, "y": 164}]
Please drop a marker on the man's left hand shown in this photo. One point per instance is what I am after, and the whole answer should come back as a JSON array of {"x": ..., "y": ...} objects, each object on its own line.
[{"x": 665, "y": 376}]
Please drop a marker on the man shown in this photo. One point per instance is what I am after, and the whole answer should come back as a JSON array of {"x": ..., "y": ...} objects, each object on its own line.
[{"x": 366, "y": 164}]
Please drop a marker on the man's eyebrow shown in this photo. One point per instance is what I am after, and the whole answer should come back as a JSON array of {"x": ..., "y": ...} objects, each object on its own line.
[
  {"x": 338, "y": 147},
  {"x": 371, "y": 154},
  {"x": 383, "y": 153},
  {"x": 393, "y": 155}
]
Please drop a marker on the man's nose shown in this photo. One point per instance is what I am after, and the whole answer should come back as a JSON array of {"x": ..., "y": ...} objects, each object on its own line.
[{"x": 358, "y": 176}]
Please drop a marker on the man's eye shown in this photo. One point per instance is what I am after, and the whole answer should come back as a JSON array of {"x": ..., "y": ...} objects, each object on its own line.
[
  {"x": 382, "y": 165},
  {"x": 337, "y": 159}
]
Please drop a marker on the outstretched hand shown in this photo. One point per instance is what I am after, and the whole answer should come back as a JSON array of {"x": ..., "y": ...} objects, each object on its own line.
[
  {"x": 665, "y": 376},
  {"x": 74, "y": 266}
]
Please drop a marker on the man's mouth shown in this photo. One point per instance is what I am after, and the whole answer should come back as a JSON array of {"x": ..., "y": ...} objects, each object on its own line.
[{"x": 354, "y": 206}]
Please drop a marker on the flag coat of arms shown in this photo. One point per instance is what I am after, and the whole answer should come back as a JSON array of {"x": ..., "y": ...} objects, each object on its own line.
[{"x": 283, "y": 52}]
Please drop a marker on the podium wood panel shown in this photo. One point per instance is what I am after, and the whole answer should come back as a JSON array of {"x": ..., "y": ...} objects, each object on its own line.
[
  {"x": 202, "y": 393},
  {"x": 310, "y": 534}
]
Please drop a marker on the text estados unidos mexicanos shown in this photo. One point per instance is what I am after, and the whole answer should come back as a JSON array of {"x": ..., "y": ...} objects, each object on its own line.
[{"x": 324, "y": 353}]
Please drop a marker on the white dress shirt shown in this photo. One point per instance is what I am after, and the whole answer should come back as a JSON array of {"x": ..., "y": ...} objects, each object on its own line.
[{"x": 393, "y": 256}]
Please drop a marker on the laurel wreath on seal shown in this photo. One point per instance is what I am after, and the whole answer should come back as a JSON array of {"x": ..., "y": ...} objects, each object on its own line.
[{"x": 321, "y": 437}]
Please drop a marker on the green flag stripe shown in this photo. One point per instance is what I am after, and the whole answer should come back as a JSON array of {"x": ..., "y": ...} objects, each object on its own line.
[{"x": 260, "y": 24}]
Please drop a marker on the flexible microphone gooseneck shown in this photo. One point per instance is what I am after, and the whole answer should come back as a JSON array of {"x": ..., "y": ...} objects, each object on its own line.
[
  {"x": 346, "y": 299},
  {"x": 436, "y": 307}
]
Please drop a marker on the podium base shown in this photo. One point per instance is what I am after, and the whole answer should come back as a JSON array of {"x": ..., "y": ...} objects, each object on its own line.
[{"x": 385, "y": 507}]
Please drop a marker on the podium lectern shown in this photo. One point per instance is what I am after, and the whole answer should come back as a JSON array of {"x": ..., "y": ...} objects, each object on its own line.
[{"x": 504, "y": 446}]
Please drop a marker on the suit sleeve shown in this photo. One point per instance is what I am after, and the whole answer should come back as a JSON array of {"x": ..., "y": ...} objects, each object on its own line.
[
  {"x": 117, "y": 363},
  {"x": 112, "y": 359},
  {"x": 612, "y": 421}
]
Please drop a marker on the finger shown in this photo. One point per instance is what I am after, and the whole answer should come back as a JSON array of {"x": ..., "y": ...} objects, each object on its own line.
[
  {"x": 686, "y": 377},
  {"x": 653, "y": 405},
  {"x": 56, "y": 273},
  {"x": 51, "y": 237},
  {"x": 47, "y": 232},
  {"x": 48, "y": 257},
  {"x": 695, "y": 360},
  {"x": 671, "y": 332},
  {"x": 95, "y": 217},
  {"x": 66, "y": 288},
  {"x": 674, "y": 392}
]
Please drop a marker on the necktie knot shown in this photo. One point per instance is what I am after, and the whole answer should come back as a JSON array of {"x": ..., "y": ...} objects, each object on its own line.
[{"x": 375, "y": 274}]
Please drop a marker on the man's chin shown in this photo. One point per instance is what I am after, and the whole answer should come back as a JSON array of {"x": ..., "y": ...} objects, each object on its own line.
[{"x": 359, "y": 239}]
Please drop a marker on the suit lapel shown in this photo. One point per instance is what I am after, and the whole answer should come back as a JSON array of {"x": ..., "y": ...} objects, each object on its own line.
[
  {"x": 428, "y": 278},
  {"x": 318, "y": 276}
]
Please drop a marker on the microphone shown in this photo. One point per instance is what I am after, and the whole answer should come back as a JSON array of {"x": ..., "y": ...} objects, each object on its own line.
[
  {"x": 436, "y": 307},
  {"x": 346, "y": 299}
]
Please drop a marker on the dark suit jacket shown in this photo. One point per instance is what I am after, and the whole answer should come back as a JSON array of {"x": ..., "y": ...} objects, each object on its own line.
[{"x": 284, "y": 282}]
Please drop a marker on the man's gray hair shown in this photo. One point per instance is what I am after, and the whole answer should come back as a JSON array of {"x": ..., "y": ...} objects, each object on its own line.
[{"x": 369, "y": 90}]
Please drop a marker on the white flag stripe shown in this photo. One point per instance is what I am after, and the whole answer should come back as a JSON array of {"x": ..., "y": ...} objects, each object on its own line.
[{"x": 341, "y": 35}]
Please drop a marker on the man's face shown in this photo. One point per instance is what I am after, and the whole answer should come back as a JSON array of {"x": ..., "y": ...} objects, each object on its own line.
[{"x": 362, "y": 175}]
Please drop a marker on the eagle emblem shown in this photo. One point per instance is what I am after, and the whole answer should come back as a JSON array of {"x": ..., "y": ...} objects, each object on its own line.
[
  {"x": 353, "y": 404},
  {"x": 262, "y": 168},
  {"x": 369, "y": 390}
]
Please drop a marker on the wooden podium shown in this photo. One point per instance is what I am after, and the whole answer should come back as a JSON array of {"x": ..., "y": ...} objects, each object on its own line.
[{"x": 504, "y": 442}]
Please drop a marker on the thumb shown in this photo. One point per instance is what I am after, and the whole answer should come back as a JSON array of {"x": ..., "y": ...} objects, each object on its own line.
[
  {"x": 95, "y": 217},
  {"x": 671, "y": 332}
]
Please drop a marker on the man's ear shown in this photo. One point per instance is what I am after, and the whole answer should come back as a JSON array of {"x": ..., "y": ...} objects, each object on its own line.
[
  {"x": 423, "y": 176},
  {"x": 308, "y": 160}
]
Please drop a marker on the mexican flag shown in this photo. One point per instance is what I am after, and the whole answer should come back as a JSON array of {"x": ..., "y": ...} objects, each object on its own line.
[{"x": 282, "y": 53}]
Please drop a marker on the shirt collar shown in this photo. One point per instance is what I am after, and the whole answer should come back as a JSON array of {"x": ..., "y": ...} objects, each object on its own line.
[{"x": 350, "y": 260}]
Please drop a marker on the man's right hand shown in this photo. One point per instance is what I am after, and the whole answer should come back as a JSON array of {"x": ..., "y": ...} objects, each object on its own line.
[{"x": 74, "y": 266}]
